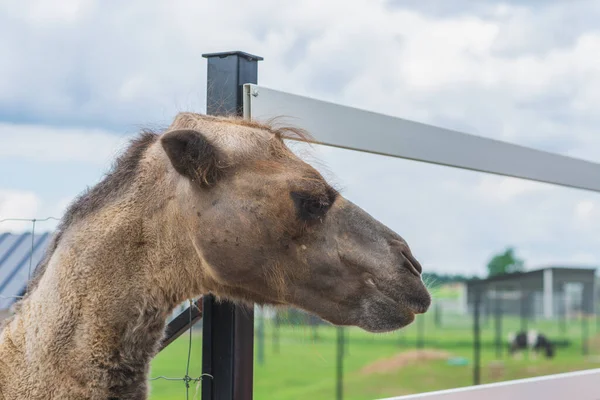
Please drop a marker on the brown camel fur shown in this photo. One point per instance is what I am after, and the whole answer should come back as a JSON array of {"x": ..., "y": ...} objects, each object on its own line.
[{"x": 212, "y": 205}]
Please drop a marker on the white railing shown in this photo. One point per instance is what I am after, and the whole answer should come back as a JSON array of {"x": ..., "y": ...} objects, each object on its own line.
[
  {"x": 350, "y": 128},
  {"x": 581, "y": 385}
]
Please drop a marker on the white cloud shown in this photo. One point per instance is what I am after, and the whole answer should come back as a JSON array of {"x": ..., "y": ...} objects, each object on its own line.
[
  {"x": 515, "y": 73},
  {"x": 42, "y": 12},
  {"x": 584, "y": 209},
  {"x": 62, "y": 205},
  {"x": 506, "y": 189},
  {"x": 482, "y": 71},
  {"x": 17, "y": 204},
  {"x": 48, "y": 144}
]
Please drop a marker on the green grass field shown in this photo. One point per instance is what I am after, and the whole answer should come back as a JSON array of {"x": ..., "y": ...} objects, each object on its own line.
[{"x": 305, "y": 366}]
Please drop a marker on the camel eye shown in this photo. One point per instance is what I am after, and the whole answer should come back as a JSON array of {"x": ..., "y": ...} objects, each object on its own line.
[
  {"x": 315, "y": 207},
  {"x": 310, "y": 207}
]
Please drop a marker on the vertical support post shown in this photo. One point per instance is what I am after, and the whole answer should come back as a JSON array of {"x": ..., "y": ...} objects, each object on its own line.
[
  {"x": 420, "y": 331},
  {"x": 339, "y": 390},
  {"x": 261, "y": 337},
  {"x": 400, "y": 334},
  {"x": 597, "y": 314},
  {"x": 498, "y": 323},
  {"x": 346, "y": 342},
  {"x": 276, "y": 333},
  {"x": 228, "y": 330},
  {"x": 595, "y": 304},
  {"x": 548, "y": 294},
  {"x": 584, "y": 333},
  {"x": 314, "y": 327},
  {"x": 484, "y": 312},
  {"x": 524, "y": 309},
  {"x": 524, "y": 315},
  {"x": 563, "y": 314},
  {"x": 476, "y": 337},
  {"x": 585, "y": 311}
]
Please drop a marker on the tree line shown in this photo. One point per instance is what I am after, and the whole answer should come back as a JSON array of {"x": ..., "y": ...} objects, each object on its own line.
[{"x": 505, "y": 262}]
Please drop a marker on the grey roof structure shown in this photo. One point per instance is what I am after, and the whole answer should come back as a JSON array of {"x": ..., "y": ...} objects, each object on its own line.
[
  {"x": 19, "y": 255},
  {"x": 550, "y": 291}
]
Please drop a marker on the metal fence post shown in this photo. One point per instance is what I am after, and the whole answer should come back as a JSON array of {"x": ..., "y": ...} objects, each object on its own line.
[
  {"x": 260, "y": 345},
  {"x": 339, "y": 390},
  {"x": 563, "y": 315},
  {"x": 498, "y": 325},
  {"x": 524, "y": 311},
  {"x": 597, "y": 314},
  {"x": 276, "y": 333},
  {"x": 420, "y": 331},
  {"x": 476, "y": 337},
  {"x": 347, "y": 343},
  {"x": 228, "y": 330},
  {"x": 584, "y": 334}
]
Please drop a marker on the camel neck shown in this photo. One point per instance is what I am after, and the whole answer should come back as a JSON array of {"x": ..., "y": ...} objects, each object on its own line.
[{"x": 91, "y": 326}]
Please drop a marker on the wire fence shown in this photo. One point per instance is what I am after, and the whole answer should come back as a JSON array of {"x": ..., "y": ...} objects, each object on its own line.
[
  {"x": 188, "y": 380},
  {"x": 441, "y": 350},
  {"x": 33, "y": 222}
]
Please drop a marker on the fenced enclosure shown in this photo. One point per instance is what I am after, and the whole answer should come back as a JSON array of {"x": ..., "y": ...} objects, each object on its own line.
[
  {"x": 297, "y": 355},
  {"x": 482, "y": 342},
  {"x": 456, "y": 343}
]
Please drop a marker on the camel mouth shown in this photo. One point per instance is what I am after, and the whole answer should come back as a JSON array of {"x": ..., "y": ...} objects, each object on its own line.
[
  {"x": 418, "y": 308},
  {"x": 391, "y": 301},
  {"x": 386, "y": 314},
  {"x": 417, "y": 303}
]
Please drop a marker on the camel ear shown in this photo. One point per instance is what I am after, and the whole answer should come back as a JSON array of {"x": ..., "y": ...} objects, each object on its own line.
[{"x": 192, "y": 155}]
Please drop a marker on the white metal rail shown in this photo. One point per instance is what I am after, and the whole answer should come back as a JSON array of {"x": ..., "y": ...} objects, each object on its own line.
[
  {"x": 581, "y": 385},
  {"x": 346, "y": 127}
]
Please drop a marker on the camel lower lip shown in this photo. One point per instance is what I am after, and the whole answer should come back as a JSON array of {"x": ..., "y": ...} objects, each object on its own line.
[{"x": 417, "y": 309}]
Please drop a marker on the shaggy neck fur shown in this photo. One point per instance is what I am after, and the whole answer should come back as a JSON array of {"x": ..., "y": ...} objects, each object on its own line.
[{"x": 95, "y": 330}]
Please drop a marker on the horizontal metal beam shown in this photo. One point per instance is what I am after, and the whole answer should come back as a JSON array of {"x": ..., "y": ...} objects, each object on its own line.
[
  {"x": 181, "y": 323},
  {"x": 582, "y": 385},
  {"x": 350, "y": 128}
]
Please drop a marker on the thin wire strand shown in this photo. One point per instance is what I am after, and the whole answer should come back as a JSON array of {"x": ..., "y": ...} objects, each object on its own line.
[
  {"x": 187, "y": 379},
  {"x": 166, "y": 378},
  {"x": 187, "y": 368},
  {"x": 33, "y": 222},
  {"x": 29, "y": 219}
]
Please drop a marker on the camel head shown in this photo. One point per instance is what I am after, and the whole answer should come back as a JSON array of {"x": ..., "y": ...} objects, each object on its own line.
[{"x": 268, "y": 228}]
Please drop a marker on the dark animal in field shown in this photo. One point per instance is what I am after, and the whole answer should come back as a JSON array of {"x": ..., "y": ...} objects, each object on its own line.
[{"x": 530, "y": 340}]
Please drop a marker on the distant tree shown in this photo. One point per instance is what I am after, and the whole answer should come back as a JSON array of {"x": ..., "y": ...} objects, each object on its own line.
[
  {"x": 433, "y": 279},
  {"x": 505, "y": 263}
]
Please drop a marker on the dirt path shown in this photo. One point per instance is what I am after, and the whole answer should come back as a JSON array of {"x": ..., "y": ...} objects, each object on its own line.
[{"x": 403, "y": 359}]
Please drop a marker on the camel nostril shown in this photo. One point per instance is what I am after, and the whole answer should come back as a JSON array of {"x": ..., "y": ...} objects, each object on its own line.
[
  {"x": 412, "y": 264},
  {"x": 409, "y": 261}
]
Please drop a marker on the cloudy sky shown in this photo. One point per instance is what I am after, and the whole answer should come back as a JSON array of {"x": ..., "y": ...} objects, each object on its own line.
[{"x": 78, "y": 78}]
